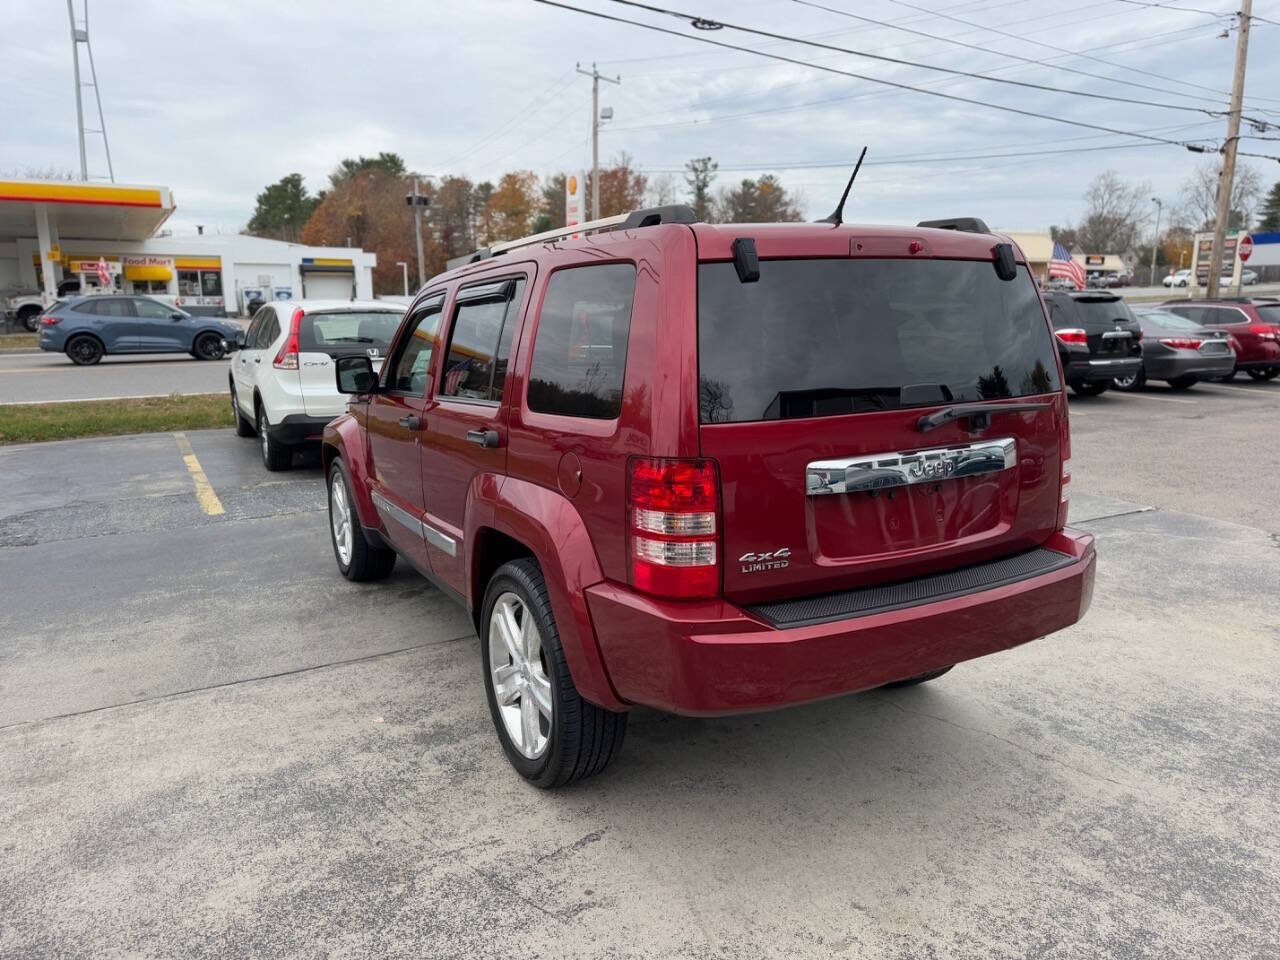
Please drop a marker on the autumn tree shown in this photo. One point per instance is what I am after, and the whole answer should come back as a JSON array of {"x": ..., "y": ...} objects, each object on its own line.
[
  {"x": 283, "y": 209},
  {"x": 621, "y": 187},
  {"x": 699, "y": 173},
  {"x": 511, "y": 207},
  {"x": 1198, "y": 206},
  {"x": 1175, "y": 247},
  {"x": 757, "y": 201}
]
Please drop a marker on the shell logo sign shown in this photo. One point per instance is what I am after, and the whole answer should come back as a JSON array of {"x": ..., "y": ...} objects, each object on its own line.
[
  {"x": 573, "y": 185},
  {"x": 573, "y": 199}
]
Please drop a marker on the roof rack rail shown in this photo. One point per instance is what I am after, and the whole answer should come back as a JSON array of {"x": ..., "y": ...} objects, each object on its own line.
[
  {"x": 484, "y": 253},
  {"x": 963, "y": 224}
]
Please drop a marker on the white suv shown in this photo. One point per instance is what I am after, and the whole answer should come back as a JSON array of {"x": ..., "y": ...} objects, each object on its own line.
[{"x": 282, "y": 374}]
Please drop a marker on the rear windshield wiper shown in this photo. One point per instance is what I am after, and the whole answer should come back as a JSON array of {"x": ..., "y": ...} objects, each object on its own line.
[
  {"x": 978, "y": 414},
  {"x": 350, "y": 340}
]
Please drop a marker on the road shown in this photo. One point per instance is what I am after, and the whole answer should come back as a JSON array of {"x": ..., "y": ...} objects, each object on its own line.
[
  {"x": 214, "y": 746},
  {"x": 38, "y": 377}
]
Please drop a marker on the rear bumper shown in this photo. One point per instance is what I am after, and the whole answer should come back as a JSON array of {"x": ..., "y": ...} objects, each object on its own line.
[
  {"x": 1092, "y": 370},
  {"x": 1170, "y": 368},
  {"x": 298, "y": 428},
  {"x": 713, "y": 658}
]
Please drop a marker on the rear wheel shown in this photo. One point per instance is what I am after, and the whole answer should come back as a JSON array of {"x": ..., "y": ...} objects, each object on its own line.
[
  {"x": 208, "y": 346},
  {"x": 357, "y": 558},
  {"x": 548, "y": 732},
  {"x": 1183, "y": 383},
  {"x": 1091, "y": 388},
  {"x": 1135, "y": 381},
  {"x": 918, "y": 678},
  {"x": 275, "y": 455},
  {"x": 85, "y": 351},
  {"x": 1264, "y": 373}
]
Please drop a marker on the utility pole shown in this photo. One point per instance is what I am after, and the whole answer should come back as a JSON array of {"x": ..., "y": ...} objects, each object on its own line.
[
  {"x": 1155, "y": 242},
  {"x": 1227, "y": 179},
  {"x": 596, "y": 77},
  {"x": 418, "y": 200}
]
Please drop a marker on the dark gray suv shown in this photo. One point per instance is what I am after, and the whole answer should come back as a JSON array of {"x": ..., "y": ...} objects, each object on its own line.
[{"x": 1098, "y": 336}]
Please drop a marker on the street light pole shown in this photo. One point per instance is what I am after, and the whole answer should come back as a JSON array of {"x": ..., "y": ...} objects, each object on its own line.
[
  {"x": 1155, "y": 242},
  {"x": 417, "y": 233},
  {"x": 1229, "y": 149},
  {"x": 596, "y": 77},
  {"x": 404, "y": 271}
]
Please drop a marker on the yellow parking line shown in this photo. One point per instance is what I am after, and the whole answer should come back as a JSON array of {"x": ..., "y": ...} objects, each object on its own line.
[{"x": 205, "y": 496}]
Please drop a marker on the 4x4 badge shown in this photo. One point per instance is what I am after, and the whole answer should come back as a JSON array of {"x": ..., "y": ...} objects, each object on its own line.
[{"x": 765, "y": 560}]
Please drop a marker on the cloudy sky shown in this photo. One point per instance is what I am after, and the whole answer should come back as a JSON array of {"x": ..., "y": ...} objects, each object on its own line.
[{"x": 218, "y": 99}]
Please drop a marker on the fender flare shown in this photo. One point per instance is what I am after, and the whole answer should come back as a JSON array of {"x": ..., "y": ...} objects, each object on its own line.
[{"x": 548, "y": 524}]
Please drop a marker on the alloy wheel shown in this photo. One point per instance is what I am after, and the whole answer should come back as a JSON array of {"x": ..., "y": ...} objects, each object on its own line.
[
  {"x": 340, "y": 518},
  {"x": 518, "y": 670}
]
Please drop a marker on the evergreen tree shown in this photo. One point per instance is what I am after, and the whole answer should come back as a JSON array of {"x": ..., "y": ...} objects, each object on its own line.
[{"x": 1271, "y": 211}]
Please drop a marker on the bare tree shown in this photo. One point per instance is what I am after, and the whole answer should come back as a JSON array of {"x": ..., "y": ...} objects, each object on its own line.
[
  {"x": 1198, "y": 202},
  {"x": 663, "y": 191},
  {"x": 1115, "y": 213},
  {"x": 50, "y": 172}
]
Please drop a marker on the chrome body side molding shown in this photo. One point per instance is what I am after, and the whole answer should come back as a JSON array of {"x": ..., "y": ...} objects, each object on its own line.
[{"x": 425, "y": 530}]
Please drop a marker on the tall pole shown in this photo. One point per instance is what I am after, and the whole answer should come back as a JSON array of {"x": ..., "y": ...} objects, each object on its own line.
[
  {"x": 1227, "y": 179},
  {"x": 1155, "y": 241},
  {"x": 417, "y": 233},
  {"x": 404, "y": 272},
  {"x": 595, "y": 133},
  {"x": 75, "y": 65}
]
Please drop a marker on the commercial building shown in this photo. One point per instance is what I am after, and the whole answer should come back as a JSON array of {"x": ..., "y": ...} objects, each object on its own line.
[
  {"x": 56, "y": 236},
  {"x": 1036, "y": 247}
]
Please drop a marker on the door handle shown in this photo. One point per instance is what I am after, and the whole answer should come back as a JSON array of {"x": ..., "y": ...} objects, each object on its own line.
[
  {"x": 484, "y": 438},
  {"x": 257, "y": 359},
  {"x": 410, "y": 422}
]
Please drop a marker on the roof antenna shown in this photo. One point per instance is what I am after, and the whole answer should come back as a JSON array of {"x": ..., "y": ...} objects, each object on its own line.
[{"x": 837, "y": 215}]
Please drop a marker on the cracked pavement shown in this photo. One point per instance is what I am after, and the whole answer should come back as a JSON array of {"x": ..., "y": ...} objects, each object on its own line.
[{"x": 212, "y": 745}]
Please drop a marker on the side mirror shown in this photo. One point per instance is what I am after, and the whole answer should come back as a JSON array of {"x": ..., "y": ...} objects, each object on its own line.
[
  {"x": 176, "y": 316},
  {"x": 355, "y": 375},
  {"x": 234, "y": 342}
]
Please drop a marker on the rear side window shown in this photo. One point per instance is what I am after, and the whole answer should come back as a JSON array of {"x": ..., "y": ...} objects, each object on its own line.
[
  {"x": 580, "y": 354},
  {"x": 109, "y": 308},
  {"x": 1269, "y": 313},
  {"x": 354, "y": 331},
  {"x": 269, "y": 330},
  {"x": 815, "y": 338},
  {"x": 484, "y": 323}
]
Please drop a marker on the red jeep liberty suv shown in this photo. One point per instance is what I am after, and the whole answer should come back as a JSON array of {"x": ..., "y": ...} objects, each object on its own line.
[{"x": 713, "y": 469}]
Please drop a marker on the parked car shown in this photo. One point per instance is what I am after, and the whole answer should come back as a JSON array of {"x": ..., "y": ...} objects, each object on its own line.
[
  {"x": 1098, "y": 339},
  {"x": 1118, "y": 280},
  {"x": 88, "y": 328},
  {"x": 713, "y": 469},
  {"x": 24, "y": 307},
  {"x": 1248, "y": 277},
  {"x": 281, "y": 371},
  {"x": 1060, "y": 283},
  {"x": 1180, "y": 279},
  {"x": 1253, "y": 322},
  {"x": 1178, "y": 351}
]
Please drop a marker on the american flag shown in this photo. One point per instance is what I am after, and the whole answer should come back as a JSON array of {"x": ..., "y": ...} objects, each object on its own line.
[
  {"x": 1063, "y": 266},
  {"x": 453, "y": 378},
  {"x": 104, "y": 275}
]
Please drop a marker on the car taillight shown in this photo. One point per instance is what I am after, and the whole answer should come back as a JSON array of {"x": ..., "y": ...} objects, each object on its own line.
[
  {"x": 1181, "y": 343},
  {"x": 1233, "y": 343},
  {"x": 1264, "y": 331},
  {"x": 1071, "y": 335},
  {"x": 1064, "y": 497},
  {"x": 49, "y": 319},
  {"x": 673, "y": 521},
  {"x": 287, "y": 358}
]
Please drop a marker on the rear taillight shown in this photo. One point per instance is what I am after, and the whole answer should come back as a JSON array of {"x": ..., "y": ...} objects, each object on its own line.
[
  {"x": 1233, "y": 343},
  {"x": 1064, "y": 497},
  {"x": 1181, "y": 343},
  {"x": 673, "y": 519},
  {"x": 1264, "y": 331},
  {"x": 49, "y": 319},
  {"x": 287, "y": 358},
  {"x": 1071, "y": 335}
]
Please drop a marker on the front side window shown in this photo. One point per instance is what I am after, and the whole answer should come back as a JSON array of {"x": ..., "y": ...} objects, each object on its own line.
[
  {"x": 580, "y": 354},
  {"x": 484, "y": 323},
  {"x": 152, "y": 310},
  {"x": 110, "y": 307},
  {"x": 816, "y": 338},
  {"x": 414, "y": 363}
]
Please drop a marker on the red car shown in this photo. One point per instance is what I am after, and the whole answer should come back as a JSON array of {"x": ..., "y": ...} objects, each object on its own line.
[
  {"x": 1253, "y": 323},
  {"x": 714, "y": 469}
]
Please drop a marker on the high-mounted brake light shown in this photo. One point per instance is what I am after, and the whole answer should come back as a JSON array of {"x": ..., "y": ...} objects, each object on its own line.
[
  {"x": 287, "y": 358},
  {"x": 1182, "y": 343},
  {"x": 672, "y": 521},
  {"x": 1071, "y": 335}
]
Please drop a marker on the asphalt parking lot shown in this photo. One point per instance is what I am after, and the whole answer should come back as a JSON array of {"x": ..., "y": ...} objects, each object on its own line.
[{"x": 212, "y": 745}]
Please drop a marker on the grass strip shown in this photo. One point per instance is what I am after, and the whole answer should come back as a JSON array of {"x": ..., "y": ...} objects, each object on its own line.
[
  {"x": 37, "y": 422},
  {"x": 19, "y": 341}
]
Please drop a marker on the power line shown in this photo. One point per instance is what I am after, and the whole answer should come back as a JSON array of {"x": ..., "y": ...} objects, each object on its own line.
[
  {"x": 706, "y": 24},
  {"x": 1173, "y": 9},
  {"x": 1194, "y": 147}
]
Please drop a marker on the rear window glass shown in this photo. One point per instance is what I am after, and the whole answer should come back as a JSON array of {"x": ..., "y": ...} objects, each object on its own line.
[
  {"x": 1102, "y": 310},
  {"x": 1170, "y": 321},
  {"x": 319, "y": 332},
  {"x": 817, "y": 338}
]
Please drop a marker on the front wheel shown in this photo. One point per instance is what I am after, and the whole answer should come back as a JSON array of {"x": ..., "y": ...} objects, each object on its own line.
[
  {"x": 1264, "y": 373},
  {"x": 1135, "y": 381},
  {"x": 548, "y": 732},
  {"x": 1091, "y": 388},
  {"x": 358, "y": 559},
  {"x": 208, "y": 346}
]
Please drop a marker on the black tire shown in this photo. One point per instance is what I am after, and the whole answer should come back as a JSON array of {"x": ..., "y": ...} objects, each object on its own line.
[
  {"x": 1091, "y": 388},
  {"x": 244, "y": 427},
  {"x": 1183, "y": 383},
  {"x": 275, "y": 455},
  {"x": 365, "y": 561},
  {"x": 29, "y": 317},
  {"x": 208, "y": 346},
  {"x": 1263, "y": 373},
  {"x": 583, "y": 738},
  {"x": 918, "y": 678},
  {"x": 84, "y": 351},
  {"x": 1131, "y": 384}
]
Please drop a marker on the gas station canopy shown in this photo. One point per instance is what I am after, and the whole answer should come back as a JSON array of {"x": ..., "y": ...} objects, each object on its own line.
[{"x": 82, "y": 211}]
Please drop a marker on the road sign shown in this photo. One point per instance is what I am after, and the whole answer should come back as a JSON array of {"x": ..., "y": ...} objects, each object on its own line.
[{"x": 1246, "y": 247}]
